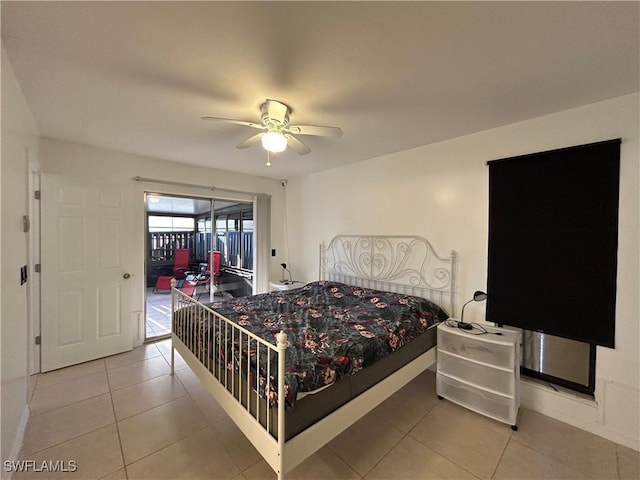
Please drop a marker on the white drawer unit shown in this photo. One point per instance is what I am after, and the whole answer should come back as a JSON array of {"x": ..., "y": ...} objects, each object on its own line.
[{"x": 480, "y": 372}]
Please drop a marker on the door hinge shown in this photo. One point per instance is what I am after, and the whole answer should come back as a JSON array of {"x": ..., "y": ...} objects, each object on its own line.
[
  {"x": 37, "y": 268},
  {"x": 38, "y": 340},
  {"x": 36, "y": 194}
]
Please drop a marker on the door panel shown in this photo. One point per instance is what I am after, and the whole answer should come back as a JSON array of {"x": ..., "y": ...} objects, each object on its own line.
[
  {"x": 109, "y": 299},
  {"x": 70, "y": 308},
  {"x": 86, "y": 302}
]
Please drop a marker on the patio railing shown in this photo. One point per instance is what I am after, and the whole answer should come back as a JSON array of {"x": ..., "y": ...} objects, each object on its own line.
[{"x": 162, "y": 245}]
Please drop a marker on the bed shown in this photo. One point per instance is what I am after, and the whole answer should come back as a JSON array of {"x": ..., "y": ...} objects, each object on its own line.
[{"x": 293, "y": 369}]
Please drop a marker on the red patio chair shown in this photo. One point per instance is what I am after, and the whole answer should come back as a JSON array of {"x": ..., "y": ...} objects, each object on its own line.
[
  {"x": 204, "y": 277},
  {"x": 163, "y": 282},
  {"x": 181, "y": 258},
  {"x": 215, "y": 261},
  {"x": 189, "y": 287}
]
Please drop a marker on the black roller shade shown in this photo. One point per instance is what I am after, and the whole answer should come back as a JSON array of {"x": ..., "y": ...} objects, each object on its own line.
[{"x": 553, "y": 241}]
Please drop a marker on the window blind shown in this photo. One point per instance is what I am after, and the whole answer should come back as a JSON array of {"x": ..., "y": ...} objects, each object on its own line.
[{"x": 553, "y": 241}]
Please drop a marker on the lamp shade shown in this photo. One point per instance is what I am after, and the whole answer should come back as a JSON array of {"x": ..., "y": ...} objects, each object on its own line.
[
  {"x": 274, "y": 142},
  {"x": 479, "y": 296}
]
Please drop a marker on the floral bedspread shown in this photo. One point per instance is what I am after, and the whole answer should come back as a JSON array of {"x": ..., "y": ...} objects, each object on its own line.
[{"x": 333, "y": 329}]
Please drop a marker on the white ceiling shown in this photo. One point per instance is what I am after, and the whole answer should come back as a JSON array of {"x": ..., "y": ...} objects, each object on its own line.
[
  {"x": 137, "y": 76},
  {"x": 183, "y": 205}
]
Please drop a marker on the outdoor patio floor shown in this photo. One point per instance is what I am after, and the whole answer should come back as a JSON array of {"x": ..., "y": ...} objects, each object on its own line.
[{"x": 159, "y": 311}]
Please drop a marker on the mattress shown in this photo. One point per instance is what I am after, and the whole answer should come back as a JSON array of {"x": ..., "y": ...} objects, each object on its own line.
[{"x": 312, "y": 408}]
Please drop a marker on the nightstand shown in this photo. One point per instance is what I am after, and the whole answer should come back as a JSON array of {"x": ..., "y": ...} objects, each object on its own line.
[
  {"x": 287, "y": 285},
  {"x": 480, "y": 372}
]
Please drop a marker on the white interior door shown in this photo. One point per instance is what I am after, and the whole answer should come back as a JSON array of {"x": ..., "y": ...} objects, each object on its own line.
[{"x": 86, "y": 290}]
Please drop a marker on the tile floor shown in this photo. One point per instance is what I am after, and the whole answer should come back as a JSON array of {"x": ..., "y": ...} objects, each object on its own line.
[{"x": 126, "y": 417}]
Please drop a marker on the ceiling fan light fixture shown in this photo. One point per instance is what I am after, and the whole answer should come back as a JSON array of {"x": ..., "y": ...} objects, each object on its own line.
[
  {"x": 274, "y": 142},
  {"x": 276, "y": 134}
]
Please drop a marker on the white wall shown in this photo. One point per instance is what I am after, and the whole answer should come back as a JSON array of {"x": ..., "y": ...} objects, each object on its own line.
[
  {"x": 83, "y": 161},
  {"x": 440, "y": 191},
  {"x": 19, "y": 146}
]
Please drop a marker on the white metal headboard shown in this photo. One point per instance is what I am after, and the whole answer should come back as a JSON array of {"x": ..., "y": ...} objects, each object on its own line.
[{"x": 401, "y": 264}]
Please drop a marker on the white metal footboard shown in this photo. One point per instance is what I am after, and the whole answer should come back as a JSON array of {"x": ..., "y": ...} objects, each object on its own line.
[{"x": 207, "y": 340}]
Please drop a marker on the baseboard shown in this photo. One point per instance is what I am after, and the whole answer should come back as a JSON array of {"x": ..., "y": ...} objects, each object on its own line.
[{"x": 17, "y": 442}]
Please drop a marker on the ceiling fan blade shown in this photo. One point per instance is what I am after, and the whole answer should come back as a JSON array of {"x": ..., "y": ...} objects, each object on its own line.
[
  {"x": 296, "y": 145},
  {"x": 250, "y": 141},
  {"x": 276, "y": 110},
  {"x": 237, "y": 122},
  {"x": 317, "y": 130}
]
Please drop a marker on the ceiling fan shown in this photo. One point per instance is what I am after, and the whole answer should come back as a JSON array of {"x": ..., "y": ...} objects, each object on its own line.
[{"x": 277, "y": 134}]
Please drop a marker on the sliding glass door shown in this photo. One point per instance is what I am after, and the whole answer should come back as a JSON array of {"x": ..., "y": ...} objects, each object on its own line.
[
  {"x": 206, "y": 258},
  {"x": 177, "y": 244},
  {"x": 234, "y": 241}
]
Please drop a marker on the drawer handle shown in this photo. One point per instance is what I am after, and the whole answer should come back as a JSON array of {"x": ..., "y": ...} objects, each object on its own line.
[{"x": 480, "y": 348}]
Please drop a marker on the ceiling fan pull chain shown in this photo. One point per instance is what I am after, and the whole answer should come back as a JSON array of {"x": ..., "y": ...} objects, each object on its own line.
[{"x": 268, "y": 159}]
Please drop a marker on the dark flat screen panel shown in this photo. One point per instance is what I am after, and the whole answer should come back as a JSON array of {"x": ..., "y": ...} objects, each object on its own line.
[{"x": 553, "y": 242}]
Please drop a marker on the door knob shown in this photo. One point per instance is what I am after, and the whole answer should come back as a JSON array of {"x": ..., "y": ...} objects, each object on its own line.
[{"x": 126, "y": 276}]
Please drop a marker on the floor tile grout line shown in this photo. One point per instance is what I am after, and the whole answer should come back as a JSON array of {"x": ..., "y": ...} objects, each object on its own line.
[
  {"x": 250, "y": 466},
  {"x": 619, "y": 475},
  {"x": 441, "y": 454},
  {"x": 559, "y": 460},
  {"x": 115, "y": 389},
  {"x": 162, "y": 448},
  {"x": 448, "y": 459},
  {"x": 66, "y": 380},
  {"x": 75, "y": 436},
  {"x": 35, "y": 452},
  {"x": 352, "y": 469},
  {"x": 404, "y": 435},
  {"x": 33, "y": 390},
  {"x": 234, "y": 460},
  {"x": 38, "y": 385},
  {"x": 154, "y": 407},
  {"x": 211, "y": 426},
  {"x": 506, "y": 445},
  {"x": 141, "y": 381},
  {"x": 41, "y": 385},
  {"x": 32, "y": 415},
  {"x": 421, "y": 419},
  {"x": 67, "y": 405},
  {"x": 113, "y": 408},
  {"x": 157, "y": 405},
  {"x": 196, "y": 403},
  {"x": 131, "y": 363}
]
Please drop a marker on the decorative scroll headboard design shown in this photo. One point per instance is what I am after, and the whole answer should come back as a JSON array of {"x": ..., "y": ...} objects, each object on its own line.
[{"x": 402, "y": 264}]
